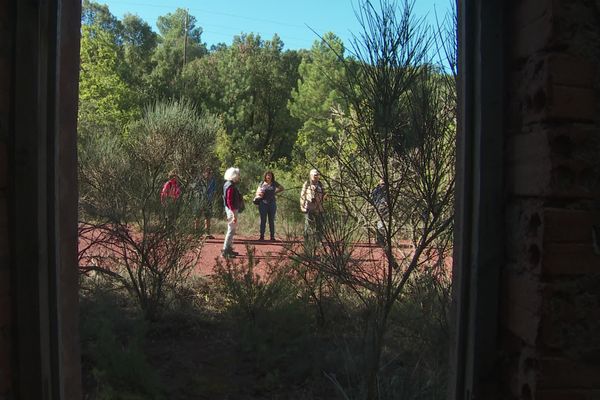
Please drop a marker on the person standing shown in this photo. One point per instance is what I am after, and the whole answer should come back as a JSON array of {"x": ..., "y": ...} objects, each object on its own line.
[
  {"x": 378, "y": 197},
  {"x": 267, "y": 205},
  {"x": 234, "y": 204},
  {"x": 169, "y": 194},
  {"x": 205, "y": 190},
  {"x": 311, "y": 204},
  {"x": 171, "y": 189}
]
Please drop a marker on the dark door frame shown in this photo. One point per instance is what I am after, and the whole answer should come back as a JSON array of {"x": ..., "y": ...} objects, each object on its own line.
[
  {"x": 480, "y": 200},
  {"x": 42, "y": 198}
]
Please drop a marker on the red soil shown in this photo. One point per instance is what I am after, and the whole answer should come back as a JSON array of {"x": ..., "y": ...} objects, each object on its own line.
[
  {"x": 367, "y": 259},
  {"x": 265, "y": 251},
  {"x": 365, "y": 255}
]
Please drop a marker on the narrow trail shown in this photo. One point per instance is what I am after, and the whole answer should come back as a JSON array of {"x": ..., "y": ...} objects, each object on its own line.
[
  {"x": 364, "y": 256},
  {"x": 269, "y": 251},
  {"x": 264, "y": 251}
]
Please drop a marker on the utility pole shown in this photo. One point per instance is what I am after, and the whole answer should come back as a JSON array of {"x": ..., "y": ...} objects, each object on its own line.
[{"x": 185, "y": 33}]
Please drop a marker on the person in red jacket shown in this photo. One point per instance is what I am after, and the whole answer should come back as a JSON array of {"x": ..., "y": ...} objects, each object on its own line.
[
  {"x": 170, "y": 189},
  {"x": 234, "y": 204},
  {"x": 168, "y": 198}
]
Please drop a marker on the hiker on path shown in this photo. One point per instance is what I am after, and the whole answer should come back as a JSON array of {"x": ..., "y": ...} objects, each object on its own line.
[
  {"x": 169, "y": 194},
  {"x": 267, "y": 204},
  {"x": 311, "y": 204},
  {"x": 378, "y": 197},
  {"x": 171, "y": 189},
  {"x": 234, "y": 204},
  {"x": 204, "y": 190}
]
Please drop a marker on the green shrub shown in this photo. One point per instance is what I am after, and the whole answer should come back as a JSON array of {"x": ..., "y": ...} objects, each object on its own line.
[
  {"x": 249, "y": 294},
  {"x": 114, "y": 364},
  {"x": 135, "y": 240},
  {"x": 274, "y": 328}
]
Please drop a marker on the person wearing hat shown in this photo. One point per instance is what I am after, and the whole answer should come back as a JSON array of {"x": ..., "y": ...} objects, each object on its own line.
[{"x": 311, "y": 204}]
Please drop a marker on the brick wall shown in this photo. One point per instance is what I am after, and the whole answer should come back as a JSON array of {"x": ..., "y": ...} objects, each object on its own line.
[
  {"x": 550, "y": 298},
  {"x": 5, "y": 308}
]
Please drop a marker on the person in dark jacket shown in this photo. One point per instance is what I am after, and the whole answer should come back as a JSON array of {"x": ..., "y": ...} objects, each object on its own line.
[
  {"x": 204, "y": 191},
  {"x": 234, "y": 203}
]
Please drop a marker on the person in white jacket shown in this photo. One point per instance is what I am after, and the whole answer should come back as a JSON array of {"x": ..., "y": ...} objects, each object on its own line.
[
  {"x": 311, "y": 204},
  {"x": 233, "y": 203}
]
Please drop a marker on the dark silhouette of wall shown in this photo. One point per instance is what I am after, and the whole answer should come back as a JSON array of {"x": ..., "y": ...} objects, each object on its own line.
[{"x": 39, "y": 67}]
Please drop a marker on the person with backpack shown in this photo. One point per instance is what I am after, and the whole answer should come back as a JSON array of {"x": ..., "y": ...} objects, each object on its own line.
[
  {"x": 234, "y": 204},
  {"x": 311, "y": 204},
  {"x": 267, "y": 205}
]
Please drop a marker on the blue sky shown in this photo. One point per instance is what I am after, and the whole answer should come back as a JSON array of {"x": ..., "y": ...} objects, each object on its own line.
[{"x": 221, "y": 20}]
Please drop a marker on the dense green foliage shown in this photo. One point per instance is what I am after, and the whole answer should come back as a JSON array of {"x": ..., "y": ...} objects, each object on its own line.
[
  {"x": 106, "y": 101},
  {"x": 248, "y": 84},
  {"x": 125, "y": 65},
  {"x": 145, "y": 242},
  {"x": 321, "y": 73}
]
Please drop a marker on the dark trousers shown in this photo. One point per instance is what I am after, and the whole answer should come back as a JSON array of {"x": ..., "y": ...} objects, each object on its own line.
[
  {"x": 313, "y": 226},
  {"x": 267, "y": 210}
]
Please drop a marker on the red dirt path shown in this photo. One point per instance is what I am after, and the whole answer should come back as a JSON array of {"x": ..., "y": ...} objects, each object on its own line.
[
  {"x": 268, "y": 251},
  {"x": 264, "y": 250}
]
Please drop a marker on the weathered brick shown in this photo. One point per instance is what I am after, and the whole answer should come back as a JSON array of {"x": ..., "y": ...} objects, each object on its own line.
[
  {"x": 527, "y": 12},
  {"x": 562, "y": 395},
  {"x": 570, "y": 319},
  {"x": 524, "y": 244},
  {"x": 552, "y": 103},
  {"x": 527, "y": 369},
  {"x": 571, "y": 71},
  {"x": 529, "y": 163},
  {"x": 572, "y": 103},
  {"x": 569, "y": 226},
  {"x": 552, "y": 147},
  {"x": 561, "y": 373},
  {"x": 551, "y": 86},
  {"x": 522, "y": 306},
  {"x": 569, "y": 259},
  {"x": 550, "y": 161},
  {"x": 533, "y": 37}
]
